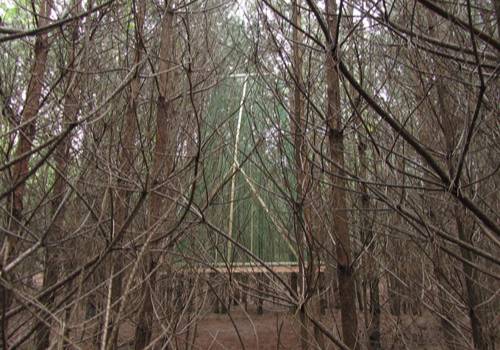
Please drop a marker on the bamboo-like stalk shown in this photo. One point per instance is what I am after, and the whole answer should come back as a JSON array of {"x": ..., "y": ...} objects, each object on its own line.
[{"x": 234, "y": 167}]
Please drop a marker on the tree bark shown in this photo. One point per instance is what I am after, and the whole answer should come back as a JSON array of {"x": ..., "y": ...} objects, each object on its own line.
[
  {"x": 163, "y": 162},
  {"x": 345, "y": 270},
  {"x": 126, "y": 161},
  {"x": 20, "y": 169},
  {"x": 450, "y": 124},
  {"x": 62, "y": 153},
  {"x": 302, "y": 215},
  {"x": 372, "y": 272}
]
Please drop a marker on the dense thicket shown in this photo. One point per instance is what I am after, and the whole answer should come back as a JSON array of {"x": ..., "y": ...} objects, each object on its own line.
[{"x": 149, "y": 147}]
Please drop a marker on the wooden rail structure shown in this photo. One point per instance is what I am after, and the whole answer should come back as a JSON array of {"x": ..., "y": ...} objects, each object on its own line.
[
  {"x": 230, "y": 284},
  {"x": 251, "y": 268}
]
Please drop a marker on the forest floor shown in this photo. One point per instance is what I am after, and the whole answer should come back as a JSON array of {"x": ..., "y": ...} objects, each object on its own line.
[{"x": 279, "y": 330}]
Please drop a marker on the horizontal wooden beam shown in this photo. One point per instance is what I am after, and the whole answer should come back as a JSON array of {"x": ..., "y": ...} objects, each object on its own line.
[{"x": 246, "y": 268}]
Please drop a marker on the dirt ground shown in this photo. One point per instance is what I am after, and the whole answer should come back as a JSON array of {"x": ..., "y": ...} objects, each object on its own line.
[
  {"x": 279, "y": 329},
  {"x": 271, "y": 330}
]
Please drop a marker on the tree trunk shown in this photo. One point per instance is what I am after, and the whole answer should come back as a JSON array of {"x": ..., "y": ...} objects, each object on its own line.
[
  {"x": 345, "y": 271},
  {"x": 450, "y": 124},
  {"x": 372, "y": 272},
  {"x": 126, "y": 160},
  {"x": 56, "y": 229},
  {"x": 163, "y": 161},
  {"x": 20, "y": 169},
  {"x": 302, "y": 218}
]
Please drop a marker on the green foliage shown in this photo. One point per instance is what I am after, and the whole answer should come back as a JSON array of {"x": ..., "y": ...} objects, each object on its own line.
[{"x": 13, "y": 14}]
